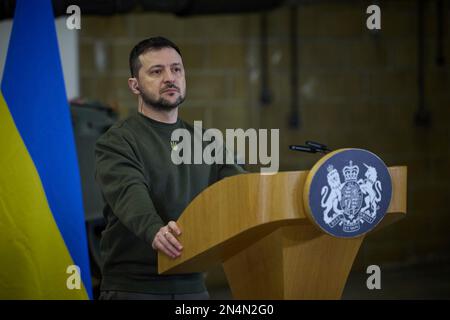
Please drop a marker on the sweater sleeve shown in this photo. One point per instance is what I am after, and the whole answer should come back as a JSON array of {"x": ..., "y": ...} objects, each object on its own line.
[{"x": 120, "y": 176}]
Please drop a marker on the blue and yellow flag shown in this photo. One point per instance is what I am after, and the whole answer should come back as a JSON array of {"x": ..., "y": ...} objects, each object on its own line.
[{"x": 42, "y": 231}]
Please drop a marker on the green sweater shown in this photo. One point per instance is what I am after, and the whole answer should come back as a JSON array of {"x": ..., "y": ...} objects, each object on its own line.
[{"x": 143, "y": 190}]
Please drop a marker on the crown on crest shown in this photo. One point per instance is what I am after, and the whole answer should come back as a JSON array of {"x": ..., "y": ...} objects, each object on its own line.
[{"x": 350, "y": 172}]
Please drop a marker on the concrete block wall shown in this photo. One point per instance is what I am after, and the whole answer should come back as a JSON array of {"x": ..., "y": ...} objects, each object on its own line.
[{"x": 356, "y": 89}]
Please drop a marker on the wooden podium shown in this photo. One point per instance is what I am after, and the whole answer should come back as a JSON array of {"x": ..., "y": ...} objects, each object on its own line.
[{"x": 257, "y": 227}]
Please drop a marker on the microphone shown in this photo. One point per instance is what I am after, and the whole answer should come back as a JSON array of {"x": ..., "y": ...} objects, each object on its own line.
[
  {"x": 302, "y": 148},
  {"x": 317, "y": 145},
  {"x": 311, "y": 147}
]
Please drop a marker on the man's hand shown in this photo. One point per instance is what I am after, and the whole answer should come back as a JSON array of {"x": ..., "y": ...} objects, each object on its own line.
[{"x": 165, "y": 240}]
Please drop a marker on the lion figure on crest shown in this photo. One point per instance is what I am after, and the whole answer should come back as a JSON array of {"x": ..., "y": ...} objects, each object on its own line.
[{"x": 333, "y": 197}]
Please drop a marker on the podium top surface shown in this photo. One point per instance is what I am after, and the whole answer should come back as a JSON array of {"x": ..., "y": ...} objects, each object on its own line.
[{"x": 238, "y": 210}]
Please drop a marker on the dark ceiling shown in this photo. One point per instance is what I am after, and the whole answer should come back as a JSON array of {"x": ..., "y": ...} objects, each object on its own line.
[{"x": 177, "y": 7}]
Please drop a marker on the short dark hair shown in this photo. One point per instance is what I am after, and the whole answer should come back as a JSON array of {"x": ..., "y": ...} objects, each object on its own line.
[{"x": 154, "y": 43}]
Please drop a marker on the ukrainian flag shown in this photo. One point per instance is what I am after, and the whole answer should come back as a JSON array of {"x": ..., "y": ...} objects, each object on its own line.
[{"x": 42, "y": 232}]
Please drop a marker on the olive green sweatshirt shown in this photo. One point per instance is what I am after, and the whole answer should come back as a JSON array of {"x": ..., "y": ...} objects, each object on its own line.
[{"x": 143, "y": 190}]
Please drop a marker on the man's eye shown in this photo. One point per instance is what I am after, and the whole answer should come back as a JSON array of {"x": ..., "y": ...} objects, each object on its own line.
[{"x": 156, "y": 72}]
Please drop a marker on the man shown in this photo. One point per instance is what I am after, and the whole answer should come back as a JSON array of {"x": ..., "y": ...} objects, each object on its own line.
[{"x": 144, "y": 191}]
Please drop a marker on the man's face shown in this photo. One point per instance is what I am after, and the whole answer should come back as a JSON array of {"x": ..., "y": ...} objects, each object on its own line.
[{"x": 161, "y": 79}]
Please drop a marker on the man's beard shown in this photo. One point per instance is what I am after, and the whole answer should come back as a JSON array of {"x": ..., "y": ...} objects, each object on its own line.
[{"x": 161, "y": 103}]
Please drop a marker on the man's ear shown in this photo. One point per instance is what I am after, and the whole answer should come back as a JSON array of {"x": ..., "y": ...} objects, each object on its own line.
[{"x": 133, "y": 85}]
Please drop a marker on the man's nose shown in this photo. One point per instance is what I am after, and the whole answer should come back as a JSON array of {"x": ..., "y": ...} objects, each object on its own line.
[{"x": 168, "y": 76}]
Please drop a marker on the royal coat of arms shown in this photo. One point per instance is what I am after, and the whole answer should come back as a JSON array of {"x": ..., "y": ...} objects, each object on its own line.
[{"x": 352, "y": 202}]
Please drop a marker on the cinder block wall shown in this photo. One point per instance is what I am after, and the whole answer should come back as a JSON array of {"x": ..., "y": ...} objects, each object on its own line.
[{"x": 356, "y": 89}]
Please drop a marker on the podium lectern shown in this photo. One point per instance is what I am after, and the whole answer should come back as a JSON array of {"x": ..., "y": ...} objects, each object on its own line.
[{"x": 256, "y": 226}]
